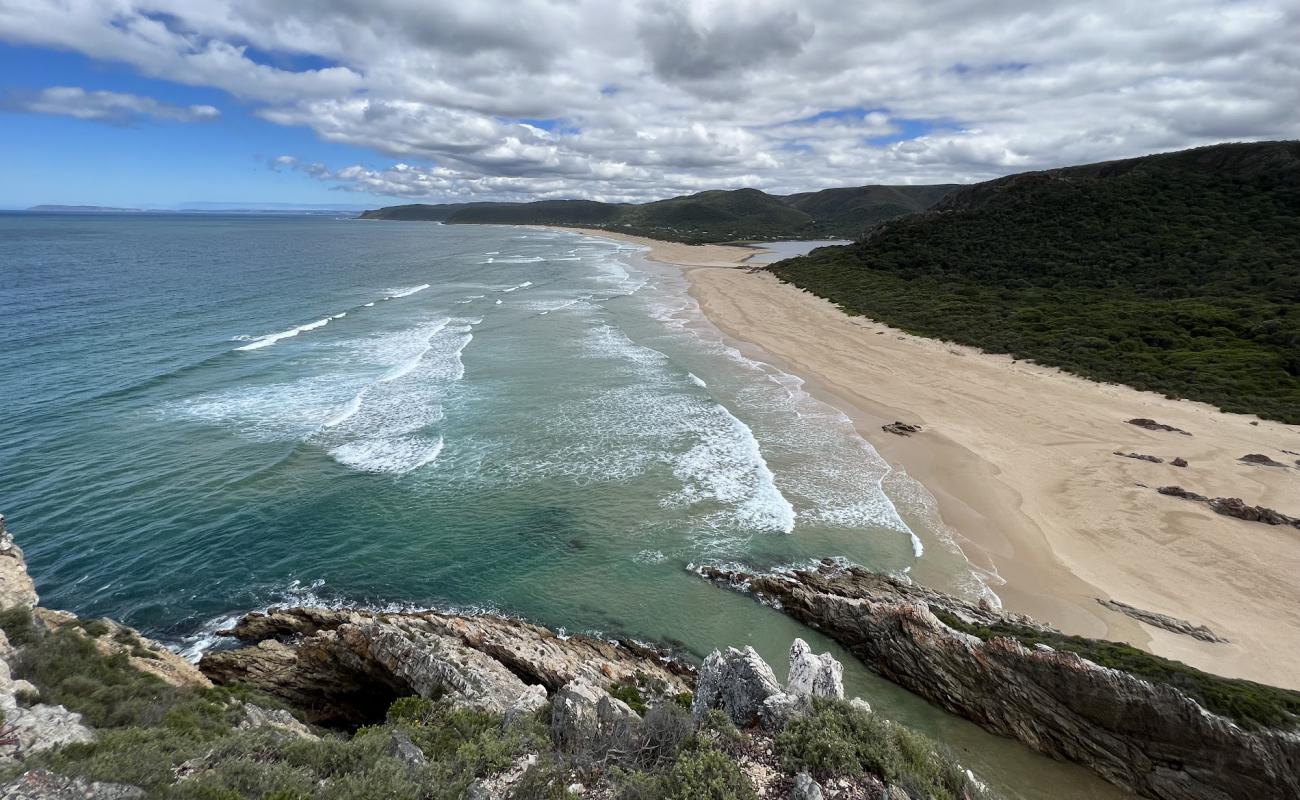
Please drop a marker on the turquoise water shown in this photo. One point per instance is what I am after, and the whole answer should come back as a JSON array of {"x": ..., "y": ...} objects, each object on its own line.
[{"x": 206, "y": 415}]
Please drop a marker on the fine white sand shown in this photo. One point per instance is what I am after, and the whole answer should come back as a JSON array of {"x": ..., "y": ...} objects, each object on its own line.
[{"x": 1020, "y": 459}]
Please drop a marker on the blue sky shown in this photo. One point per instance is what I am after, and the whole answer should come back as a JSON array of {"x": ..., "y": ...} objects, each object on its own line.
[
  {"x": 148, "y": 163},
  {"x": 158, "y": 103}
]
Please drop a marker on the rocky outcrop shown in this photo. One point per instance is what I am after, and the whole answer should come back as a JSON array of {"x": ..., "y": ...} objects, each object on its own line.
[
  {"x": 1261, "y": 459},
  {"x": 349, "y": 665},
  {"x": 1141, "y": 457},
  {"x": 740, "y": 683},
  {"x": 16, "y": 586},
  {"x": 1152, "y": 425},
  {"x": 1234, "y": 507},
  {"x": 1149, "y": 737},
  {"x": 1179, "y": 462},
  {"x": 1172, "y": 624},
  {"x": 901, "y": 428},
  {"x": 583, "y": 712}
]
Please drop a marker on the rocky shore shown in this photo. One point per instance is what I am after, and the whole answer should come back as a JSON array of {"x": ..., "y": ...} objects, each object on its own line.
[
  {"x": 347, "y": 667},
  {"x": 322, "y": 703},
  {"x": 1157, "y": 727}
]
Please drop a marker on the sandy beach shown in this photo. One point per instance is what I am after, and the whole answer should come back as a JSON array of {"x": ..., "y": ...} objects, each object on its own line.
[{"x": 1020, "y": 459}]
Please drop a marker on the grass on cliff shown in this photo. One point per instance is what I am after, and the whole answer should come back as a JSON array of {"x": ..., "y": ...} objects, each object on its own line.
[
  {"x": 1251, "y": 705},
  {"x": 837, "y": 739}
]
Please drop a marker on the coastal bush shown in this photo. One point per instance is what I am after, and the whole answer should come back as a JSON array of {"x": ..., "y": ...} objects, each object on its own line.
[
  {"x": 700, "y": 773},
  {"x": 16, "y": 622},
  {"x": 630, "y": 694},
  {"x": 1251, "y": 705},
  {"x": 107, "y": 691},
  {"x": 94, "y": 628},
  {"x": 1169, "y": 276},
  {"x": 836, "y": 739}
]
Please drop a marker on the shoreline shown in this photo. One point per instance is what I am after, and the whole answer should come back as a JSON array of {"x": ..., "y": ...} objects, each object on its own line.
[{"x": 1020, "y": 460}]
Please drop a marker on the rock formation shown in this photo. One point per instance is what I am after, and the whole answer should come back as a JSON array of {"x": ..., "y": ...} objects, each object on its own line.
[
  {"x": 1172, "y": 624},
  {"x": 1149, "y": 737},
  {"x": 740, "y": 683},
  {"x": 349, "y": 665},
  {"x": 1261, "y": 459},
  {"x": 901, "y": 428},
  {"x": 1141, "y": 457},
  {"x": 1234, "y": 507},
  {"x": 1152, "y": 425},
  {"x": 1179, "y": 462},
  {"x": 16, "y": 586}
]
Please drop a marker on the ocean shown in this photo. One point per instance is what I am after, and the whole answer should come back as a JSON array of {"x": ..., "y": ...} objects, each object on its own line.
[{"x": 206, "y": 415}]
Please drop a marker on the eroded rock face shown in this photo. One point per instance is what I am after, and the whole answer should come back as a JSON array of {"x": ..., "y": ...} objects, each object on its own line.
[
  {"x": 349, "y": 665},
  {"x": 738, "y": 682},
  {"x": 1148, "y": 737},
  {"x": 16, "y": 586},
  {"x": 814, "y": 675},
  {"x": 742, "y": 684}
]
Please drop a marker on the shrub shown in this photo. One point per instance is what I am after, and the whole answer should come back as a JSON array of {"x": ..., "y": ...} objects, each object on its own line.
[
  {"x": 94, "y": 628},
  {"x": 705, "y": 773},
  {"x": 16, "y": 622},
  {"x": 630, "y": 694},
  {"x": 413, "y": 709},
  {"x": 108, "y": 692},
  {"x": 838, "y": 739}
]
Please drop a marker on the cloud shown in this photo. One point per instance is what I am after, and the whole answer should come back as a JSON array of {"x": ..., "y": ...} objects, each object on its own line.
[
  {"x": 111, "y": 107},
  {"x": 662, "y": 96}
]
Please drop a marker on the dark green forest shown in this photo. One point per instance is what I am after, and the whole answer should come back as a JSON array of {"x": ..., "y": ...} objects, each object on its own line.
[{"x": 1177, "y": 273}]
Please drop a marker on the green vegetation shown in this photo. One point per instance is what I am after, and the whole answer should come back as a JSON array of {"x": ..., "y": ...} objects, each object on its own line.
[
  {"x": 16, "y": 622},
  {"x": 1175, "y": 273},
  {"x": 701, "y": 773},
  {"x": 191, "y": 743},
  {"x": 1251, "y": 705},
  {"x": 630, "y": 694},
  {"x": 712, "y": 216},
  {"x": 838, "y": 739}
]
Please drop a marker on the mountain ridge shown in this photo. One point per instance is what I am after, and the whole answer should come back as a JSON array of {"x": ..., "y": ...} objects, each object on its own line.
[{"x": 713, "y": 215}]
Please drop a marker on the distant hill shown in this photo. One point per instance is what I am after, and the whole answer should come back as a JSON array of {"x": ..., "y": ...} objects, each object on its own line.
[
  {"x": 57, "y": 209},
  {"x": 712, "y": 216},
  {"x": 1178, "y": 273}
]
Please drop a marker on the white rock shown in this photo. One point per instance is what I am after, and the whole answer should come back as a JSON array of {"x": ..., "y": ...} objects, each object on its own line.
[
  {"x": 805, "y": 788},
  {"x": 812, "y": 675},
  {"x": 739, "y": 682}
]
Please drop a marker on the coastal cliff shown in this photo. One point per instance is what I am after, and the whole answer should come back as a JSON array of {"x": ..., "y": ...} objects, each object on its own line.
[
  {"x": 1157, "y": 727},
  {"x": 362, "y": 705}
]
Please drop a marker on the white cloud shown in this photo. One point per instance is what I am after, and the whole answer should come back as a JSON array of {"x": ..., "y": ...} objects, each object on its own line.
[
  {"x": 113, "y": 107},
  {"x": 583, "y": 98}
]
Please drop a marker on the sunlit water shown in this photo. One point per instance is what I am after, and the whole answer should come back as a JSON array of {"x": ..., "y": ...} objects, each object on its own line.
[{"x": 206, "y": 415}]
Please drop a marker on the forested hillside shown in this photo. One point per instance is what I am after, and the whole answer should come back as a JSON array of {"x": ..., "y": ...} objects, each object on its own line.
[
  {"x": 712, "y": 216},
  {"x": 1178, "y": 273}
]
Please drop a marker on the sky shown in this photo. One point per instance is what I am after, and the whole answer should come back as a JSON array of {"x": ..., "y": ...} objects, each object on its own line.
[{"x": 359, "y": 103}]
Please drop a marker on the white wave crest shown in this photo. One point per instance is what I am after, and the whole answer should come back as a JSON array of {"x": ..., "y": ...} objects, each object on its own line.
[
  {"x": 396, "y": 293},
  {"x": 272, "y": 338}
]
